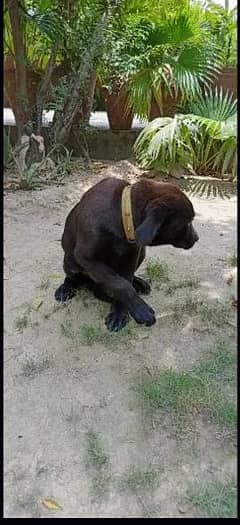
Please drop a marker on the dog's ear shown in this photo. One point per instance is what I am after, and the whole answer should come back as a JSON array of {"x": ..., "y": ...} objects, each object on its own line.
[{"x": 146, "y": 231}]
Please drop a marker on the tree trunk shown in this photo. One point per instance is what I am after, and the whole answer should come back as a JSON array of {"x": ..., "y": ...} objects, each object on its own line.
[
  {"x": 85, "y": 105},
  {"x": 22, "y": 114},
  {"x": 80, "y": 84}
]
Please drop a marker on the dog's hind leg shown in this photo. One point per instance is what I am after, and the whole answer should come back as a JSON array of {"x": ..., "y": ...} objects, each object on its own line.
[{"x": 73, "y": 281}]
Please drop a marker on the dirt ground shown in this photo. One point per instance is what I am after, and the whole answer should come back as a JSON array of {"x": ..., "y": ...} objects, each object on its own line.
[{"x": 60, "y": 390}]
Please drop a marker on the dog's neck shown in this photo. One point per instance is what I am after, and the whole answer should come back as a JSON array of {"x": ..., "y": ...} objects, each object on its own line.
[
  {"x": 135, "y": 198},
  {"x": 127, "y": 215}
]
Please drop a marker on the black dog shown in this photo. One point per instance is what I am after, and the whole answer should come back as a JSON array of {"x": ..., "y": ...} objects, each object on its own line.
[{"x": 99, "y": 255}]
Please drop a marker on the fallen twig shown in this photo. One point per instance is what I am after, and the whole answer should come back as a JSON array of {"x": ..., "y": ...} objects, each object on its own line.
[
  {"x": 231, "y": 324},
  {"x": 166, "y": 314},
  {"x": 148, "y": 370}
]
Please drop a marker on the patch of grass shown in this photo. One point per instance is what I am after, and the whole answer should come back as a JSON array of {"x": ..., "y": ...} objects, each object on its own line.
[
  {"x": 45, "y": 284},
  {"x": 216, "y": 312},
  {"x": 91, "y": 335},
  {"x": 197, "y": 390},
  {"x": 221, "y": 365},
  {"x": 217, "y": 499},
  {"x": 27, "y": 319},
  {"x": 98, "y": 460},
  {"x": 34, "y": 366},
  {"x": 189, "y": 307},
  {"x": 22, "y": 322},
  {"x": 156, "y": 271},
  {"x": 97, "y": 457},
  {"x": 185, "y": 283},
  {"x": 136, "y": 479},
  {"x": 212, "y": 313},
  {"x": 233, "y": 260}
]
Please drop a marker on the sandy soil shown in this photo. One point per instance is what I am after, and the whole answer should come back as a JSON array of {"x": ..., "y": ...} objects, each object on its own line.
[{"x": 58, "y": 388}]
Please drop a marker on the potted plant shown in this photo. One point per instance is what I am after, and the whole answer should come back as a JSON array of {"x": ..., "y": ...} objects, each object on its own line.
[
  {"x": 114, "y": 96},
  {"x": 123, "y": 42}
]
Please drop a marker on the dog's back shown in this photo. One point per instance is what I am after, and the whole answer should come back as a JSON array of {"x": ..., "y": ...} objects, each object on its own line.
[{"x": 99, "y": 208}]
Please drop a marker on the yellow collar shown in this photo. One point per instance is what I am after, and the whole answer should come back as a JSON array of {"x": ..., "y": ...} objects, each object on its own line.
[{"x": 127, "y": 218}]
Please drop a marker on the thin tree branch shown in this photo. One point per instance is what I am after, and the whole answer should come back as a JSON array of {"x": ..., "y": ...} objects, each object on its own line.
[{"x": 42, "y": 92}]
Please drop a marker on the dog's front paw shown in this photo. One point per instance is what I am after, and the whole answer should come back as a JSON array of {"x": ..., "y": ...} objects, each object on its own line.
[
  {"x": 116, "y": 320},
  {"x": 64, "y": 292},
  {"x": 141, "y": 286},
  {"x": 143, "y": 314}
]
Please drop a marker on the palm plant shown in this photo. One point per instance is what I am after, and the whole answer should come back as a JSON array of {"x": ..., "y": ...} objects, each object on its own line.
[
  {"x": 161, "y": 51},
  {"x": 182, "y": 61},
  {"x": 203, "y": 141}
]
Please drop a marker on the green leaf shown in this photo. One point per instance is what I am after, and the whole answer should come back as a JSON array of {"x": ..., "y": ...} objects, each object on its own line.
[
  {"x": 214, "y": 105},
  {"x": 204, "y": 144}
]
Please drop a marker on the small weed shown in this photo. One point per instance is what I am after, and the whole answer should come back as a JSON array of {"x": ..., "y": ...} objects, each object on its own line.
[
  {"x": 233, "y": 260},
  {"x": 94, "y": 334},
  {"x": 98, "y": 460},
  {"x": 217, "y": 499},
  {"x": 67, "y": 330},
  {"x": 27, "y": 319},
  {"x": 34, "y": 366},
  {"x": 96, "y": 455},
  {"x": 185, "y": 283},
  {"x": 156, "y": 271},
  {"x": 187, "y": 308},
  {"x": 22, "y": 322},
  {"x": 72, "y": 416},
  {"x": 56, "y": 308},
  {"x": 45, "y": 284},
  {"x": 29, "y": 178},
  {"x": 136, "y": 479},
  {"x": 196, "y": 390},
  {"x": 7, "y": 149}
]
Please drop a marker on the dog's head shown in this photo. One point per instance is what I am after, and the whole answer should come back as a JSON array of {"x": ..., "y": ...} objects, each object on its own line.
[{"x": 167, "y": 219}]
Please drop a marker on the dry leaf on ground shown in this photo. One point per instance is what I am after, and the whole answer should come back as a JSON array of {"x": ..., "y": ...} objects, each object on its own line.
[{"x": 51, "y": 504}]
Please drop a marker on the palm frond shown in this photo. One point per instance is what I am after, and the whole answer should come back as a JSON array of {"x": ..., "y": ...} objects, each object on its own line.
[
  {"x": 191, "y": 141},
  {"x": 192, "y": 70},
  {"x": 173, "y": 31},
  {"x": 214, "y": 104},
  {"x": 229, "y": 127},
  {"x": 139, "y": 89},
  {"x": 49, "y": 23},
  {"x": 226, "y": 158},
  {"x": 161, "y": 144}
]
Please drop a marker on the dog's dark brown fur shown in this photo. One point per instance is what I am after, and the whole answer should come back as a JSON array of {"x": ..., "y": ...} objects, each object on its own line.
[{"x": 97, "y": 253}]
